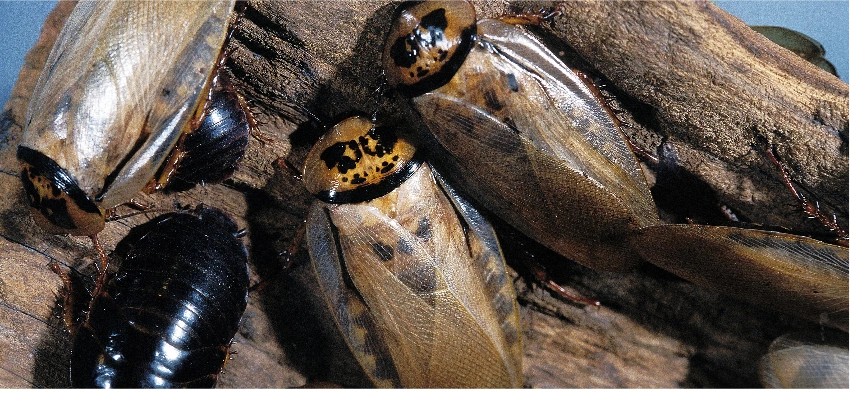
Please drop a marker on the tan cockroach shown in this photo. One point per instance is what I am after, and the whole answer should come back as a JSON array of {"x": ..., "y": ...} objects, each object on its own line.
[
  {"x": 806, "y": 361},
  {"x": 528, "y": 139},
  {"x": 124, "y": 82},
  {"x": 412, "y": 274}
]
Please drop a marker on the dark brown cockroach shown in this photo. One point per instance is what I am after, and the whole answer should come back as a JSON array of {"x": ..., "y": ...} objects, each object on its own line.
[
  {"x": 166, "y": 319},
  {"x": 526, "y": 138},
  {"x": 123, "y": 82},
  {"x": 412, "y": 274}
]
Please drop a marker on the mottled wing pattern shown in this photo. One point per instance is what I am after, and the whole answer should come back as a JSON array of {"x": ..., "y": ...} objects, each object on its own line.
[
  {"x": 533, "y": 190},
  {"x": 558, "y": 112},
  {"x": 350, "y": 314},
  {"x": 490, "y": 264},
  {"x": 411, "y": 265},
  {"x": 788, "y": 273}
]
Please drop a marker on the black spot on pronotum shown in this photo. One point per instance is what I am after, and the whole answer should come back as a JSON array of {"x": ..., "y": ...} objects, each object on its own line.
[
  {"x": 431, "y": 30},
  {"x": 423, "y": 231},
  {"x": 512, "y": 83},
  {"x": 378, "y": 142},
  {"x": 404, "y": 52},
  {"x": 435, "y": 22},
  {"x": 335, "y": 156},
  {"x": 46, "y": 171},
  {"x": 384, "y": 251}
]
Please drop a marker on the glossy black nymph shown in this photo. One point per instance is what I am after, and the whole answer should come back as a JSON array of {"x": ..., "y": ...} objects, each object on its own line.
[
  {"x": 214, "y": 149},
  {"x": 168, "y": 316}
]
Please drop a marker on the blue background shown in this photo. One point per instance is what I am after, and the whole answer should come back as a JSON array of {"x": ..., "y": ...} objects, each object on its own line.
[{"x": 825, "y": 21}]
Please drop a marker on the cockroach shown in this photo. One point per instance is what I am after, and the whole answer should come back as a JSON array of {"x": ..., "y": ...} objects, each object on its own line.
[
  {"x": 803, "y": 361},
  {"x": 212, "y": 152},
  {"x": 412, "y": 274},
  {"x": 167, "y": 318},
  {"x": 491, "y": 94},
  {"x": 807, "y": 48},
  {"x": 528, "y": 139},
  {"x": 124, "y": 81},
  {"x": 789, "y": 273}
]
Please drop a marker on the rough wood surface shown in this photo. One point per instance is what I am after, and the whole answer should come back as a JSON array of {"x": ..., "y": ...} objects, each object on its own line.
[{"x": 689, "y": 79}]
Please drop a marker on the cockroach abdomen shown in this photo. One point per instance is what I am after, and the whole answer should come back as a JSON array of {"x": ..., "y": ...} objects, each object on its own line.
[
  {"x": 214, "y": 149},
  {"x": 168, "y": 316}
]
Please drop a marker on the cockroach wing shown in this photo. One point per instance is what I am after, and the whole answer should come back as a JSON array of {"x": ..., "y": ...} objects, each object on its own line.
[
  {"x": 532, "y": 190},
  {"x": 521, "y": 133},
  {"x": 788, "y": 273},
  {"x": 579, "y": 128},
  {"x": 423, "y": 285},
  {"x": 119, "y": 86},
  {"x": 795, "y": 361},
  {"x": 490, "y": 265},
  {"x": 349, "y": 313}
]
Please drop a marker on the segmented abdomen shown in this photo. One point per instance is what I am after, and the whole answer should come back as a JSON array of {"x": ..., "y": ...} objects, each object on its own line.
[
  {"x": 168, "y": 316},
  {"x": 214, "y": 149}
]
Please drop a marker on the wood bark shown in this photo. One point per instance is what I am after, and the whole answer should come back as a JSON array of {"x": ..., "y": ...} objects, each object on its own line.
[{"x": 692, "y": 84}]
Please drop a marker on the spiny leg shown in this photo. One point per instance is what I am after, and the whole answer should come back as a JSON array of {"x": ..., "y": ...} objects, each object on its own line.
[
  {"x": 532, "y": 17},
  {"x": 541, "y": 275},
  {"x": 100, "y": 282},
  {"x": 67, "y": 297},
  {"x": 811, "y": 209}
]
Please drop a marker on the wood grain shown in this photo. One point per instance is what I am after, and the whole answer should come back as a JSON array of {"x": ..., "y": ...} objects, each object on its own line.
[{"x": 690, "y": 81}]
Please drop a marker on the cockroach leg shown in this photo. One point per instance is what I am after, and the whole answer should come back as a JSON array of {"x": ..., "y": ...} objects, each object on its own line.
[
  {"x": 67, "y": 297},
  {"x": 139, "y": 207},
  {"x": 811, "y": 209},
  {"x": 100, "y": 282},
  {"x": 541, "y": 275},
  {"x": 284, "y": 164},
  {"x": 288, "y": 258},
  {"x": 645, "y": 155},
  {"x": 532, "y": 17},
  {"x": 614, "y": 111}
]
